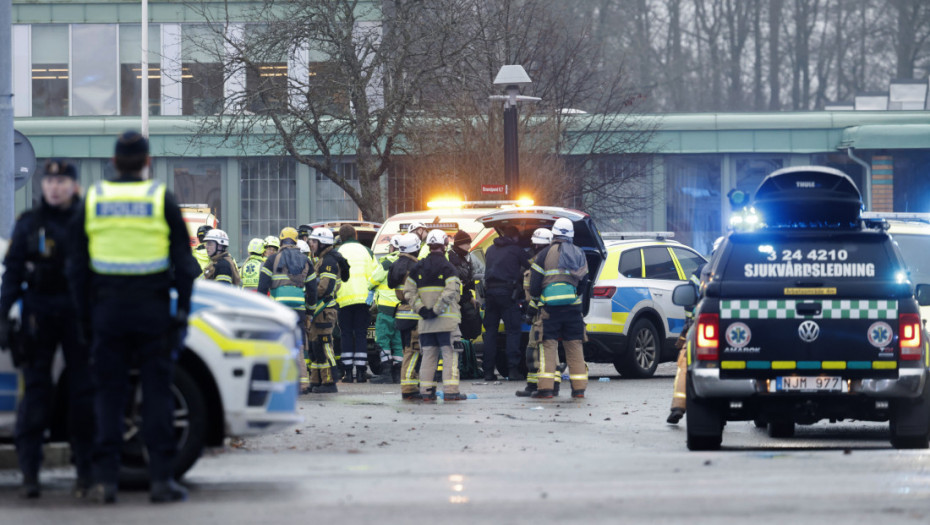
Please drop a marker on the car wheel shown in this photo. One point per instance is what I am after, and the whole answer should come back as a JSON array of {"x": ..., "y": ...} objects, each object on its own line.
[
  {"x": 190, "y": 427},
  {"x": 910, "y": 422},
  {"x": 704, "y": 422},
  {"x": 759, "y": 422},
  {"x": 781, "y": 428},
  {"x": 642, "y": 351}
]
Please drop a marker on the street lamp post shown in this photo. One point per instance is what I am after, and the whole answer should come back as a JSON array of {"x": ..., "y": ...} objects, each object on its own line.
[{"x": 512, "y": 77}]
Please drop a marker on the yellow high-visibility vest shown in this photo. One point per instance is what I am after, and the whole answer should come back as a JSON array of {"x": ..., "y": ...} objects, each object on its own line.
[{"x": 126, "y": 228}]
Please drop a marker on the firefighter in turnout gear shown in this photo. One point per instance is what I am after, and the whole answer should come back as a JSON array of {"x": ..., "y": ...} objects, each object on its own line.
[
  {"x": 405, "y": 319},
  {"x": 126, "y": 294},
  {"x": 387, "y": 337},
  {"x": 222, "y": 267},
  {"x": 541, "y": 239},
  {"x": 200, "y": 251},
  {"x": 558, "y": 281},
  {"x": 433, "y": 289},
  {"x": 252, "y": 267},
  {"x": 331, "y": 268},
  {"x": 290, "y": 280},
  {"x": 36, "y": 259}
]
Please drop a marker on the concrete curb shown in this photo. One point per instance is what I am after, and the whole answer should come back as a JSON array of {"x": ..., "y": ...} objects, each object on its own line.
[{"x": 56, "y": 455}]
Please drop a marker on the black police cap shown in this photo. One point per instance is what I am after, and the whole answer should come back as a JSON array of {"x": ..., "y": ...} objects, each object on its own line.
[
  {"x": 131, "y": 144},
  {"x": 61, "y": 168}
]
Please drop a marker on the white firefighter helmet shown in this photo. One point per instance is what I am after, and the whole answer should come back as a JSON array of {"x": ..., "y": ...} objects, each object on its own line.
[
  {"x": 541, "y": 236},
  {"x": 323, "y": 235},
  {"x": 303, "y": 246},
  {"x": 395, "y": 241},
  {"x": 218, "y": 236},
  {"x": 437, "y": 237},
  {"x": 563, "y": 228},
  {"x": 409, "y": 243},
  {"x": 414, "y": 226}
]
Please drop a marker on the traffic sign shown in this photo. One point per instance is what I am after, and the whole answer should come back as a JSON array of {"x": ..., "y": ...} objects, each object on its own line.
[{"x": 494, "y": 189}]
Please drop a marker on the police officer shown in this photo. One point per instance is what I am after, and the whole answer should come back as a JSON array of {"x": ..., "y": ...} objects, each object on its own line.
[
  {"x": 432, "y": 290},
  {"x": 252, "y": 267},
  {"x": 353, "y": 299},
  {"x": 387, "y": 337},
  {"x": 222, "y": 267},
  {"x": 503, "y": 278},
  {"x": 558, "y": 281},
  {"x": 200, "y": 251},
  {"x": 289, "y": 278},
  {"x": 405, "y": 319},
  {"x": 540, "y": 240},
  {"x": 330, "y": 269},
  {"x": 126, "y": 293},
  {"x": 36, "y": 259}
]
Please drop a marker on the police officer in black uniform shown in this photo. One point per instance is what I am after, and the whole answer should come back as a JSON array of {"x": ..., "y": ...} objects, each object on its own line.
[
  {"x": 130, "y": 249},
  {"x": 36, "y": 259},
  {"x": 503, "y": 284}
]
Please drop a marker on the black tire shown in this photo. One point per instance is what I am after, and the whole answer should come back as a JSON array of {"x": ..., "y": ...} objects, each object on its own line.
[
  {"x": 910, "y": 422},
  {"x": 190, "y": 430},
  {"x": 704, "y": 422},
  {"x": 759, "y": 422},
  {"x": 642, "y": 353},
  {"x": 781, "y": 428}
]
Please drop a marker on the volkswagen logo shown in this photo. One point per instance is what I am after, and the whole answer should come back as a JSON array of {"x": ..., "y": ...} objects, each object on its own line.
[{"x": 809, "y": 331}]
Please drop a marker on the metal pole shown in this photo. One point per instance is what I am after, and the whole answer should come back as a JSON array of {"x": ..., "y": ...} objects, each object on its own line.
[
  {"x": 7, "y": 181},
  {"x": 511, "y": 147},
  {"x": 145, "y": 68}
]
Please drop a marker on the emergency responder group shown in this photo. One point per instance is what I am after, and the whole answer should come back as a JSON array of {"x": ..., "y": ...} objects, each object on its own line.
[{"x": 112, "y": 310}]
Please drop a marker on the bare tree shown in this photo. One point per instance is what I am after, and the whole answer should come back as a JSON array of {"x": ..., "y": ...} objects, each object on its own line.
[
  {"x": 913, "y": 29},
  {"x": 353, "y": 88}
]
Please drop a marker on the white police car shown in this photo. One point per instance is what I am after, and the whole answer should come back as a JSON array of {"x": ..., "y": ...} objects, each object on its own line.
[
  {"x": 237, "y": 377},
  {"x": 632, "y": 321}
]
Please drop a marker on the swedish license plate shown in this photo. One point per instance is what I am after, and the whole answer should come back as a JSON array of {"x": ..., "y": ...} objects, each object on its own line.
[{"x": 809, "y": 384}]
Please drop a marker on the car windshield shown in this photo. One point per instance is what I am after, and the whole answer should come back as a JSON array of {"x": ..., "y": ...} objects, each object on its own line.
[{"x": 914, "y": 249}]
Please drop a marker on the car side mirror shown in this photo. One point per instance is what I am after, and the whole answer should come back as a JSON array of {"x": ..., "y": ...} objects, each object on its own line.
[
  {"x": 687, "y": 295},
  {"x": 923, "y": 294}
]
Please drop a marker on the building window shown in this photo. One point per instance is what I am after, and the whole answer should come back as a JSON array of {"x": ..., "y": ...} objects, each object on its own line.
[
  {"x": 94, "y": 60},
  {"x": 332, "y": 202},
  {"x": 50, "y": 44},
  {"x": 693, "y": 199},
  {"x": 269, "y": 196},
  {"x": 199, "y": 182},
  {"x": 201, "y": 70},
  {"x": 266, "y": 86},
  {"x": 130, "y": 69},
  {"x": 323, "y": 85}
]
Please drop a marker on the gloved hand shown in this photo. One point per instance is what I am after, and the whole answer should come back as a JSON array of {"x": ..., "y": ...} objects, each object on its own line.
[
  {"x": 530, "y": 314},
  {"x": 427, "y": 313},
  {"x": 458, "y": 347},
  {"x": 5, "y": 328},
  {"x": 371, "y": 297}
]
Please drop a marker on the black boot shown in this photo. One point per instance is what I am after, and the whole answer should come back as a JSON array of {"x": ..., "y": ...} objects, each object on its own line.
[
  {"x": 555, "y": 388},
  {"x": 167, "y": 492},
  {"x": 104, "y": 493},
  {"x": 326, "y": 388},
  {"x": 675, "y": 416},
  {"x": 361, "y": 374},
  {"x": 30, "y": 488},
  {"x": 385, "y": 377},
  {"x": 346, "y": 374},
  {"x": 528, "y": 391},
  {"x": 395, "y": 373}
]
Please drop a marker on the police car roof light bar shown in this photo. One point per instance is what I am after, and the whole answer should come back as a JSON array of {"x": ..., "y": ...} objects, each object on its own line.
[{"x": 637, "y": 235}]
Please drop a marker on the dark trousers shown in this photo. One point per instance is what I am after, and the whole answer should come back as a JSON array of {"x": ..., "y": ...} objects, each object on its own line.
[
  {"x": 353, "y": 324},
  {"x": 44, "y": 334},
  {"x": 500, "y": 307},
  {"x": 118, "y": 348}
]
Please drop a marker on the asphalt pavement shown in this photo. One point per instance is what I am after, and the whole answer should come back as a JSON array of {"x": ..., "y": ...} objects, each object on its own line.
[{"x": 364, "y": 456}]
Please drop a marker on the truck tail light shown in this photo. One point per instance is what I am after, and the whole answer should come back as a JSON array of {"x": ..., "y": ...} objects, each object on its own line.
[
  {"x": 909, "y": 336},
  {"x": 604, "y": 292},
  {"x": 708, "y": 337}
]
